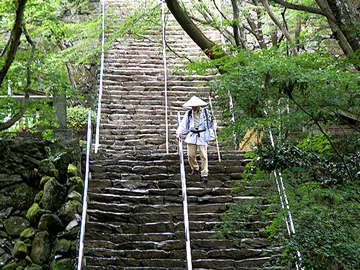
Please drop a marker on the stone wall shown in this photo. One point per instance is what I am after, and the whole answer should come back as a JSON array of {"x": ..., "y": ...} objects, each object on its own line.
[{"x": 41, "y": 201}]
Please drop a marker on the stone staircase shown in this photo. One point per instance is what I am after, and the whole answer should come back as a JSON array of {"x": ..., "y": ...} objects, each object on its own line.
[
  {"x": 135, "y": 212},
  {"x": 136, "y": 215},
  {"x": 133, "y": 102}
]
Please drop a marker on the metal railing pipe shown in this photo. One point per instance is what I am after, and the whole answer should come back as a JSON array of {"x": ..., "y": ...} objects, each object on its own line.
[
  {"x": 285, "y": 203},
  {"x": 165, "y": 77},
  {"x": 98, "y": 117},
  {"x": 86, "y": 181},
  {"x": 185, "y": 204}
]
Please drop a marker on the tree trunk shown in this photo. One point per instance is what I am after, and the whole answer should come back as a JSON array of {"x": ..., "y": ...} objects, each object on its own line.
[
  {"x": 348, "y": 25},
  {"x": 15, "y": 39},
  {"x": 190, "y": 28}
]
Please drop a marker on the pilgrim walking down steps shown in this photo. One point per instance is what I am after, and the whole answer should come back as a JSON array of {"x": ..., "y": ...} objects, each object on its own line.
[{"x": 197, "y": 123}]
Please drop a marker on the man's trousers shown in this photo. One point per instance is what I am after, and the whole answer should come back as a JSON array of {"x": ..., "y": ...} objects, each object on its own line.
[{"x": 191, "y": 148}]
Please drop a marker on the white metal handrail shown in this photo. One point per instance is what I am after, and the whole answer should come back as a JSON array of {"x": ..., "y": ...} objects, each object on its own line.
[
  {"x": 98, "y": 117},
  {"x": 231, "y": 104},
  {"x": 185, "y": 204},
  {"x": 86, "y": 181},
  {"x": 165, "y": 77},
  {"x": 285, "y": 203}
]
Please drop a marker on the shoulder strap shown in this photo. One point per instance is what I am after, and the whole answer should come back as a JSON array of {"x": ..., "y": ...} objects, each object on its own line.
[
  {"x": 207, "y": 117},
  {"x": 190, "y": 113}
]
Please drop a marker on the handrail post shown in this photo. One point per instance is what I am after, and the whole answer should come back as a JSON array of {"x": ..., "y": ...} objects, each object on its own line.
[
  {"x": 185, "y": 204},
  {"x": 86, "y": 181}
]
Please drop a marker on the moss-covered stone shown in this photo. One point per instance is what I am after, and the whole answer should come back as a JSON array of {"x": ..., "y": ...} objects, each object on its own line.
[
  {"x": 72, "y": 208},
  {"x": 34, "y": 213},
  {"x": 72, "y": 171},
  {"x": 62, "y": 246},
  {"x": 33, "y": 267},
  {"x": 41, "y": 248},
  {"x": 15, "y": 225},
  {"x": 46, "y": 167},
  {"x": 54, "y": 195},
  {"x": 20, "y": 250},
  {"x": 20, "y": 195},
  {"x": 11, "y": 266},
  {"x": 3, "y": 234},
  {"x": 50, "y": 223},
  {"x": 39, "y": 196},
  {"x": 74, "y": 195},
  {"x": 77, "y": 184},
  {"x": 44, "y": 180},
  {"x": 28, "y": 234},
  {"x": 64, "y": 264}
]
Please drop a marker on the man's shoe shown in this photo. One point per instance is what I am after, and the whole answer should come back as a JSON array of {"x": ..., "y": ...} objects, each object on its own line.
[
  {"x": 204, "y": 179},
  {"x": 193, "y": 172}
]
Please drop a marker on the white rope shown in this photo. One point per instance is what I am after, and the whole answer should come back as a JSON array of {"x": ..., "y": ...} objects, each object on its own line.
[
  {"x": 101, "y": 78},
  {"x": 165, "y": 77},
  {"x": 185, "y": 204},
  {"x": 86, "y": 182}
]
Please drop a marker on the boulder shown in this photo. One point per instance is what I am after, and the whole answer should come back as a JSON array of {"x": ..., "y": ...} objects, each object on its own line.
[
  {"x": 12, "y": 266},
  {"x": 34, "y": 213},
  {"x": 72, "y": 171},
  {"x": 6, "y": 179},
  {"x": 15, "y": 225},
  {"x": 62, "y": 246},
  {"x": 44, "y": 180},
  {"x": 53, "y": 197},
  {"x": 72, "y": 225},
  {"x": 33, "y": 267},
  {"x": 21, "y": 250},
  {"x": 41, "y": 248},
  {"x": 5, "y": 213},
  {"x": 39, "y": 196},
  {"x": 76, "y": 184},
  {"x": 74, "y": 195},
  {"x": 19, "y": 196},
  {"x": 71, "y": 208},
  {"x": 50, "y": 223},
  {"x": 47, "y": 167},
  {"x": 64, "y": 264},
  {"x": 28, "y": 234}
]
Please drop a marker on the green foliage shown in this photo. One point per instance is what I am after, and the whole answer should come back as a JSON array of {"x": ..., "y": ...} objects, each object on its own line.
[
  {"x": 317, "y": 143},
  {"x": 294, "y": 97},
  {"x": 60, "y": 46},
  {"x": 54, "y": 156},
  {"x": 77, "y": 120}
]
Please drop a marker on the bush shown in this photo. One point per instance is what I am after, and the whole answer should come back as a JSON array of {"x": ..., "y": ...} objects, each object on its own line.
[{"x": 77, "y": 120}]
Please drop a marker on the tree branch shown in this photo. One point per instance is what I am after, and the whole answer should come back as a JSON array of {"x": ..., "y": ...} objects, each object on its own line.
[
  {"x": 191, "y": 29},
  {"x": 21, "y": 112},
  {"x": 323, "y": 132},
  {"x": 15, "y": 39},
  {"x": 279, "y": 24},
  {"x": 299, "y": 7}
]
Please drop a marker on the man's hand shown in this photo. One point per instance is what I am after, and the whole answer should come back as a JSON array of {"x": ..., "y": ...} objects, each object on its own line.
[{"x": 178, "y": 136}]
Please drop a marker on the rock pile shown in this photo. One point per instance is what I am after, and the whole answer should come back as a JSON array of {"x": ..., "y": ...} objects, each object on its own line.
[{"x": 41, "y": 205}]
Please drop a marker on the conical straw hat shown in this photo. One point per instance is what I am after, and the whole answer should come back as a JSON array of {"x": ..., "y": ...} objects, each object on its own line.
[{"x": 194, "y": 102}]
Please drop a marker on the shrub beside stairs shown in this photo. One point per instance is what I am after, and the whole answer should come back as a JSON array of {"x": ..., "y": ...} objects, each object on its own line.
[{"x": 135, "y": 207}]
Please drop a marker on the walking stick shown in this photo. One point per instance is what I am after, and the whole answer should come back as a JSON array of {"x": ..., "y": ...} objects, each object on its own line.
[{"x": 217, "y": 143}]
